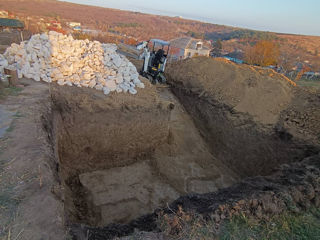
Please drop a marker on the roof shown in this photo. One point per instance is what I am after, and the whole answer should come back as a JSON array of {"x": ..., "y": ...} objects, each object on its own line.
[
  {"x": 13, "y": 23},
  {"x": 158, "y": 41},
  {"x": 180, "y": 42},
  {"x": 187, "y": 43},
  {"x": 193, "y": 45}
]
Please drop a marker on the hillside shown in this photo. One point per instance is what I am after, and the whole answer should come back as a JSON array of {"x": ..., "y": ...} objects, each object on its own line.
[
  {"x": 183, "y": 160},
  {"x": 139, "y": 25},
  {"x": 118, "y": 25}
]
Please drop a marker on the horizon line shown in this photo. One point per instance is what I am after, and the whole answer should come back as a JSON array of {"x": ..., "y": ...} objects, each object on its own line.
[{"x": 190, "y": 18}]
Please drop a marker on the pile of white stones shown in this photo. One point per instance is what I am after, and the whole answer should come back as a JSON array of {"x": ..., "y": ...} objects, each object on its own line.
[{"x": 55, "y": 57}]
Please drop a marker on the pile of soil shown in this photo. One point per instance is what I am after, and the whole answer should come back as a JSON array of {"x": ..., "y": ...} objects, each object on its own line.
[
  {"x": 302, "y": 117},
  {"x": 244, "y": 113},
  {"x": 263, "y": 94}
]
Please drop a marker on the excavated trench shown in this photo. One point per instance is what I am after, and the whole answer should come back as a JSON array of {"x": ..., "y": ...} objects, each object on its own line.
[
  {"x": 122, "y": 157},
  {"x": 247, "y": 147}
]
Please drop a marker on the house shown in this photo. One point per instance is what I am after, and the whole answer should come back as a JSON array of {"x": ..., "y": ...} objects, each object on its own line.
[
  {"x": 187, "y": 47},
  {"x": 4, "y": 14},
  {"x": 76, "y": 28},
  {"x": 8, "y": 24},
  {"x": 55, "y": 24},
  {"x": 74, "y": 24}
]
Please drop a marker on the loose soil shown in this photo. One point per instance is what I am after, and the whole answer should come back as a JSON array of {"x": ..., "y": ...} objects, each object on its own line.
[
  {"x": 100, "y": 167},
  {"x": 261, "y": 93},
  {"x": 245, "y": 115}
]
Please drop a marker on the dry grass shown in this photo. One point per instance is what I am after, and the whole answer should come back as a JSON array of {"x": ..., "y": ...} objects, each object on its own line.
[
  {"x": 181, "y": 225},
  {"x": 312, "y": 84},
  {"x": 188, "y": 226}
]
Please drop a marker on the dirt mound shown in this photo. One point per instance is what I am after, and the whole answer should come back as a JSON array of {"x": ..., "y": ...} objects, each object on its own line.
[
  {"x": 302, "y": 116},
  {"x": 242, "y": 112},
  {"x": 261, "y": 93},
  {"x": 268, "y": 97}
]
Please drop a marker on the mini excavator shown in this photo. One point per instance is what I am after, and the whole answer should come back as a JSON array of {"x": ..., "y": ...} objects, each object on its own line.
[{"x": 155, "y": 54}]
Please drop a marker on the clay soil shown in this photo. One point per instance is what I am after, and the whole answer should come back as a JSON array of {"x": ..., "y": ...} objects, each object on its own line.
[
  {"x": 28, "y": 209},
  {"x": 77, "y": 163},
  {"x": 252, "y": 118},
  {"x": 123, "y": 156}
]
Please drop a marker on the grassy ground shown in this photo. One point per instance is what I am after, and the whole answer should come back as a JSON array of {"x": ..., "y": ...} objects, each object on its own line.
[
  {"x": 304, "y": 226},
  {"x": 309, "y": 83},
  {"x": 289, "y": 226}
]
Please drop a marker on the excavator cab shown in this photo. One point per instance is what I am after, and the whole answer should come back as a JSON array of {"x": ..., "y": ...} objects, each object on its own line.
[{"x": 155, "y": 60}]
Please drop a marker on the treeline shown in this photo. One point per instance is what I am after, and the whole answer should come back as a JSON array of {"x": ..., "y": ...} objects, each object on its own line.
[
  {"x": 128, "y": 25},
  {"x": 195, "y": 34},
  {"x": 104, "y": 38},
  {"x": 243, "y": 34}
]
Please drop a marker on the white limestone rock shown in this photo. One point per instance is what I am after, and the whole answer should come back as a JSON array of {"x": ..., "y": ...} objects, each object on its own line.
[
  {"x": 82, "y": 63},
  {"x": 106, "y": 90}
]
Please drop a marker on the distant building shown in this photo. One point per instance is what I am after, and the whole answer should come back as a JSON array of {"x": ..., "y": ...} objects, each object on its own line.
[
  {"x": 187, "y": 47},
  {"x": 56, "y": 24},
  {"x": 91, "y": 31},
  {"x": 76, "y": 28},
  {"x": 74, "y": 24},
  {"x": 4, "y": 14},
  {"x": 7, "y": 23}
]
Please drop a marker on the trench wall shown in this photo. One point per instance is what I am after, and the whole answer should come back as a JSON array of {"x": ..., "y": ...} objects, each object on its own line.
[
  {"x": 246, "y": 146},
  {"x": 103, "y": 146}
]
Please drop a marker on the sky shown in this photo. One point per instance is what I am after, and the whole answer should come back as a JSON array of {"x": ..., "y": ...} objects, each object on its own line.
[{"x": 285, "y": 16}]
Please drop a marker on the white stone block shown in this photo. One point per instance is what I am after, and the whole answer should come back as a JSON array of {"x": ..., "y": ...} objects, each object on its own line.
[
  {"x": 55, "y": 57},
  {"x": 132, "y": 91}
]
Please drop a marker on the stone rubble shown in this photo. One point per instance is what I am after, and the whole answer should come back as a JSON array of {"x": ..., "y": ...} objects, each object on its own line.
[{"x": 55, "y": 57}]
